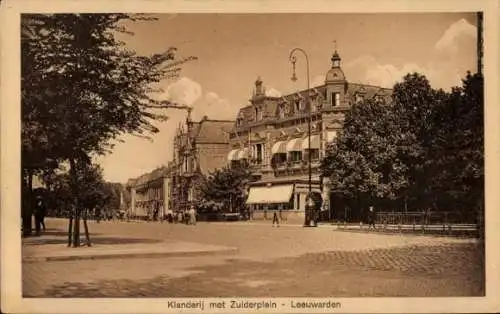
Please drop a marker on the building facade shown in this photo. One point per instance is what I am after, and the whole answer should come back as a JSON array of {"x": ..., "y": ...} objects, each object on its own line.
[
  {"x": 199, "y": 148},
  {"x": 150, "y": 192},
  {"x": 271, "y": 135}
]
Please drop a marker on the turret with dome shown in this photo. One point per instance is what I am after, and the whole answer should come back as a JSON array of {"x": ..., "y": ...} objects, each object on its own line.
[{"x": 335, "y": 74}]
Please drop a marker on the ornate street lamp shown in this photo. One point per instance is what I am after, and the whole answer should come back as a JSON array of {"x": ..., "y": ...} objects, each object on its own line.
[{"x": 309, "y": 210}]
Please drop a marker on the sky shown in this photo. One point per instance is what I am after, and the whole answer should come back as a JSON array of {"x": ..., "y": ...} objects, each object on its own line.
[{"x": 234, "y": 49}]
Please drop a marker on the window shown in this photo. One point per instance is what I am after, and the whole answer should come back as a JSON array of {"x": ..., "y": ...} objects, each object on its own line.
[
  {"x": 359, "y": 98},
  {"x": 297, "y": 106},
  {"x": 259, "y": 153},
  {"x": 314, "y": 106},
  {"x": 256, "y": 114},
  {"x": 235, "y": 164},
  {"x": 295, "y": 156},
  {"x": 281, "y": 111},
  {"x": 336, "y": 99},
  {"x": 314, "y": 154},
  {"x": 191, "y": 164}
]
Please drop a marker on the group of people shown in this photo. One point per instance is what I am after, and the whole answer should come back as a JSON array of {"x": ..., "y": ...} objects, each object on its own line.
[{"x": 185, "y": 216}]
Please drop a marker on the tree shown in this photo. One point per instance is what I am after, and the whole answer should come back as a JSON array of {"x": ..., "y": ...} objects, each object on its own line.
[
  {"x": 81, "y": 88},
  {"x": 423, "y": 149},
  {"x": 459, "y": 146},
  {"x": 416, "y": 105},
  {"x": 226, "y": 188},
  {"x": 363, "y": 163},
  {"x": 93, "y": 192}
]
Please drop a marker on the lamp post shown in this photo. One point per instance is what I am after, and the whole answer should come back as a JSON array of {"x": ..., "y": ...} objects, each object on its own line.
[{"x": 309, "y": 210}]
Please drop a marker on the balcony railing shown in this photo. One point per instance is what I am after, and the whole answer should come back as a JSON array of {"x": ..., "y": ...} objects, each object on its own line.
[{"x": 296, "y": 164}]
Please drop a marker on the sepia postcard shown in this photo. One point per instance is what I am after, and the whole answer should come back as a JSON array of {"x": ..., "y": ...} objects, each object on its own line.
[{"x": 249, "y": 156}]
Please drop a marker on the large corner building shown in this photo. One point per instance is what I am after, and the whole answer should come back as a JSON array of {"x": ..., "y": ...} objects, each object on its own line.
[{"x": 271, "y": 135}]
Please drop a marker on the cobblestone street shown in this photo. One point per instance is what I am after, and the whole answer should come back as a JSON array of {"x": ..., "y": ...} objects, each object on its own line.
[{"x": 289, "y": 261}]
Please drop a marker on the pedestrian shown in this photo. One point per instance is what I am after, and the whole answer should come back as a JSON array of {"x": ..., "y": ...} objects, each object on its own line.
[
  {"x": 156, "y": 211},
  {"x": 40, "y": 212},
  {"x": 192, "y": 216},
  {"x": 161, "y": 212},
  {"x": 170, "y": 215},
  {"x": 276, "y": 219},
  {"x": 371, "y": 217}
]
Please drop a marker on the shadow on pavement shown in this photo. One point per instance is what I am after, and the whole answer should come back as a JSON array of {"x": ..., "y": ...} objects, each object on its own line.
[
  {"x": 58, "y": 236},
  {"x": 95, "y": 240},
  {"x": 419, "y": 271}
]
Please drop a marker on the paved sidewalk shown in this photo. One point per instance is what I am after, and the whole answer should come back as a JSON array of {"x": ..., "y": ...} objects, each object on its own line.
[{"x": 54, "y": 248}]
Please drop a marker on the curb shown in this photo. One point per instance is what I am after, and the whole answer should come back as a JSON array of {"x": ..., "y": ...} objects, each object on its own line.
[{"x": 34, "y": 259}]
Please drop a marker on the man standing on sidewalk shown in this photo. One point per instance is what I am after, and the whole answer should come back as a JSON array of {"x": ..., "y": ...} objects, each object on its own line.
[{"x": 40, "y": 212}]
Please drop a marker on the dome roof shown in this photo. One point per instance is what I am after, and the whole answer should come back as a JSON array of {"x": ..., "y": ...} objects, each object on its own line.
[{"x": 335, "y": 75}]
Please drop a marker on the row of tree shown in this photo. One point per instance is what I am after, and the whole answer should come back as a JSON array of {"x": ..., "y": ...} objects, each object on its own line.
[
  {"x": 80, "y": 89},
  {"x": 94, "y": 194},
  {"x": 422, "y": 150}
]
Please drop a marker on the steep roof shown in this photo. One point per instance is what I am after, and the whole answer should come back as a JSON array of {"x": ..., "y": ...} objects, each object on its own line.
[
  {"x": 150, "y": 176},
  {"x": 369, "y": 90},
  {"x": 213, "y": 131}
]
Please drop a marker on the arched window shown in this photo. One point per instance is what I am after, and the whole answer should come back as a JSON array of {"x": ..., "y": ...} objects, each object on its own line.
[
  {"x": 281, "y": 111},
  {"x": 359, "y": 98},
  {"x": 297, "y": 106}
]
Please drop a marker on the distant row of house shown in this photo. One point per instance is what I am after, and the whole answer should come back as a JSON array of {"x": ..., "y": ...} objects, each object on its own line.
[{"x": 271, "y": 136}]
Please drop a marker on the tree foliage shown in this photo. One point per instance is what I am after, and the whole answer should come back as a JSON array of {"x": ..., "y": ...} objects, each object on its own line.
[
  {"x": 226, "y": 188},
  {"x": 93, "y": 191},
  {"x": 423, "y": 149},
  {"x": 81, "y": 88}
]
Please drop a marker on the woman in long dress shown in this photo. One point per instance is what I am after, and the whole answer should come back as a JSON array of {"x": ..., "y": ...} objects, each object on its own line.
[{"x": 192, "y": 216}]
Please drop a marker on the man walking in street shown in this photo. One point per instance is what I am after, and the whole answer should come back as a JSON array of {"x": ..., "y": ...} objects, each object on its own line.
[
  {"x": 276, "y": 219},
  {"x": 371, "y": 218}
]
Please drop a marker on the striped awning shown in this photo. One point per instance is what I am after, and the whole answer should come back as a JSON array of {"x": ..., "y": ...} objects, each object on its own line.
[
  {"x": 233, "y": 155},
  {"x": 278, "y": 194},
  {"x": 279, "y": 148},
  {"x": 242, "y": 154},
  {"x": 294, "y": 145},
  {"x": 314, "y": 142},
  {"x": 330, "y": 136}
]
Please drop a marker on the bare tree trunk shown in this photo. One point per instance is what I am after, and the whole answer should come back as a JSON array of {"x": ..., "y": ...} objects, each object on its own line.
[
  {"x": 74, "y": 188},
  {"x": 76, "y": 230},
  {"x": 87, "y": 235},
  {"x": 70, "y": 228}
]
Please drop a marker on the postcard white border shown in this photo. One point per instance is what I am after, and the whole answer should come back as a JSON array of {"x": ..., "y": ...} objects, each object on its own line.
[{"x": 11, "y": 299}]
